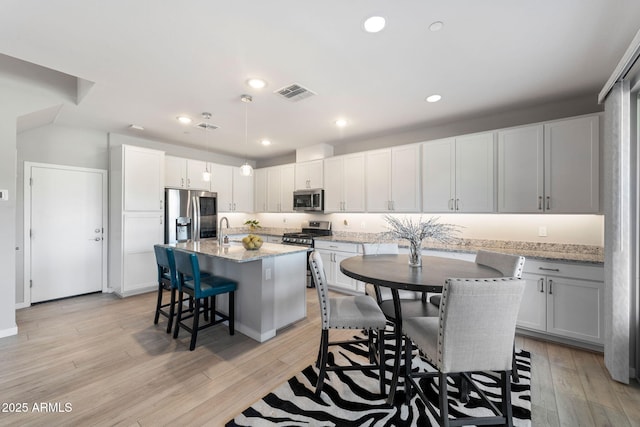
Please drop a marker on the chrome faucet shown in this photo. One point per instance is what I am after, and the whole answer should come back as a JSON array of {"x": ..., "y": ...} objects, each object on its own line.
[{"x": 220, "y": 235}]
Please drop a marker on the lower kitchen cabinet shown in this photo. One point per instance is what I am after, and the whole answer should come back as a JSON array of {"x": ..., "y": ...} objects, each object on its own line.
[
  {"x": 332, "y": 253},
  {"x": 563, "y": 300}
]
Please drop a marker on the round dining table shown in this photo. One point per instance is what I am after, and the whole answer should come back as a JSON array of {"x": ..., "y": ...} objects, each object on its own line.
[{"x": 395, "y": 273}]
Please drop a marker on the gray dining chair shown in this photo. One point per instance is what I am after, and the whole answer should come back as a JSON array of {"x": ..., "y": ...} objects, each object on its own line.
[
  {"x": 474, "y": 332},
  {"x": 347, "y": 312},
  {"x": 383, "y": 294},
  {"x": 508, "y": 266}
]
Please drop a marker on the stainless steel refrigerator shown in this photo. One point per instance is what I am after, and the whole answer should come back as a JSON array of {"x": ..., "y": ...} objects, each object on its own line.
[{"x": 189, "y": 215}]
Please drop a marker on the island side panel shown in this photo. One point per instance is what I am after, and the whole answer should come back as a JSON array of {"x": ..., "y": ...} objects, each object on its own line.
[
  {"x": 254, "y": 303},
  {"x": 290, "y": 273}
]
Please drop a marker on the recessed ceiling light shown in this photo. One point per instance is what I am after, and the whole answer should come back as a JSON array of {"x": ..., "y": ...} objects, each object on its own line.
[
  {"x": 341, "y": 123},
  {"x": 185, "y": 120},
  {"x": 257, "y": 83},
  {"x": 136, "y": 127},
  {"x": 434, "y": 98},
  {"x": 436, "y": 26},
  {"x": 265, "y": 142},
  {"x": 374, "y": 24}
]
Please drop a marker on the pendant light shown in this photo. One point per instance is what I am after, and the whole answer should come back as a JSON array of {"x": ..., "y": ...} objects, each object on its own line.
[
  {"x": 246, "y": 169},
  {"x": 206, "y": 175}
]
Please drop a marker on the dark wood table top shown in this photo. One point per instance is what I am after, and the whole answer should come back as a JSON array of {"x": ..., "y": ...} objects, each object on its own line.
[{"x": 393, "y": 271}]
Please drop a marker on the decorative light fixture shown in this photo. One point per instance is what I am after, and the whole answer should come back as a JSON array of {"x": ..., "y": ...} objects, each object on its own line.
[
  {"x": 374, "y": 24},
  {"x": 246, "y": 169},
  {"x": 206, "y": 175}
]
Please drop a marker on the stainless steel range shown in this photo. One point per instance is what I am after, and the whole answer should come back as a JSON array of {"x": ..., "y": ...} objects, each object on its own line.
[{"x": 305, "y": 238}]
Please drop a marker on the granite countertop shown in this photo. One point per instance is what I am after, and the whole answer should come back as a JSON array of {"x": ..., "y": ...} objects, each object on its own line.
[
  {"x": 236, "y": 252},
  {"x": 534, "y": 250},
  {"x": 565, "y": 252}
]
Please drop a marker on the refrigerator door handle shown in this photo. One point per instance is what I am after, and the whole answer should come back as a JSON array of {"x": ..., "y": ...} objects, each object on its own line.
[{"x": 196, "y": 218}]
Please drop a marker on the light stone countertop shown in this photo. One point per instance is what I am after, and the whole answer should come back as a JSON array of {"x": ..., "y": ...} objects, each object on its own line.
[
  {"x": 236, "y": 252},
  {"x": 540, "y": 251},
  {"x": 563, "y": 252}
]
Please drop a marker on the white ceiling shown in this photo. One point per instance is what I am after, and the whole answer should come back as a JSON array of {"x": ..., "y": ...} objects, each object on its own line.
[{"x": 152, "y": 60}]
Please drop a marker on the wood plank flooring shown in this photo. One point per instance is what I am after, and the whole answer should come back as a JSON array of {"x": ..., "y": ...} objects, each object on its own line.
[{"x": 99, "y": 360}]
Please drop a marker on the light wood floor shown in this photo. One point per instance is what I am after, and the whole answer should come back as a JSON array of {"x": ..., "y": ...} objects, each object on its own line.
[{"x": 104, "y": 357}]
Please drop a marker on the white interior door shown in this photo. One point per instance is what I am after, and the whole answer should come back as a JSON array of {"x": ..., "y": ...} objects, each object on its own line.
[{"x": 66, "y": 231}]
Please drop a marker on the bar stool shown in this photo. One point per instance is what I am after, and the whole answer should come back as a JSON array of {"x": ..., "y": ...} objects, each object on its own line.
[
  {"x": 192, "y": 282},
  {"x": 167, "y": 281}
]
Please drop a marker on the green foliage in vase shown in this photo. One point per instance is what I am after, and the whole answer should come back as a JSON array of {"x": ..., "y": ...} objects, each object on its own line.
[{"x": 253, "y": 224}]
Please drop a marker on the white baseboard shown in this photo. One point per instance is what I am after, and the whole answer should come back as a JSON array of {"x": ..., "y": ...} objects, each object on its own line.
[
  {"x": 9, "y": 332},
  {"x": 22, "y": 305}
]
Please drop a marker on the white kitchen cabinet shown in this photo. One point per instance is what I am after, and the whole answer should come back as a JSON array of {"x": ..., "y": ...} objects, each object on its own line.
[
  {"x": 550, "y": 167},
  {"x": 260, "y": 190},
  {"x": 140, "y": 232},
  {"x": 458, "y": 174},
  {"x": 142, "y": 185},
  {"x": 332, "y": 253},
  {"x": 185, "y": 173},
  {"x": 344, "y": 183},
  {"x": 235, "y": 192},
  {"x": 280, "y": 187},
  {"x": 393, "y": 179},
  {"x": 563, "y": 300},
  {"x": 136, "y": 217},
  {"x": 309, "y": 175}
]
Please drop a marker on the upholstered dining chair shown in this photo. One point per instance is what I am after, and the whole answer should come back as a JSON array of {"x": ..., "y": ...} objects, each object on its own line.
[
  {"x": 347, "y": 312},
  {"x": 474, "y": 332},
  {"x": 203, "y": 290},
  {"x": 509, "y": 266},
  {"x": 383, "y": 294}
]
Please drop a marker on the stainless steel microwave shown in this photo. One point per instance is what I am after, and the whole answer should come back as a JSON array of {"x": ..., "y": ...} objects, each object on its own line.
[{"x": 308, "y": 200}]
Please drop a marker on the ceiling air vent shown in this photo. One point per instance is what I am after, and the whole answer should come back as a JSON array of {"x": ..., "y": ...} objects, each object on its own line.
[
  {"x": 295, "y": 92},
  {"x": 207, "y": 126}
]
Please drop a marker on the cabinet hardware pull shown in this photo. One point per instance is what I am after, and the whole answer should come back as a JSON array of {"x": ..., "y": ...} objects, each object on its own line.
[
  {"x": 549, "y": 269},
  {"x": 181, "y": 182},
  {"x": 457, "y": 204},
  {"x": 541, "y": 280},
  {"x": 550, "y": 287},
  {"x": 539, "y": 203},
  {"x": 548, "y": 202},
  {"x": 450, "y": 204}
]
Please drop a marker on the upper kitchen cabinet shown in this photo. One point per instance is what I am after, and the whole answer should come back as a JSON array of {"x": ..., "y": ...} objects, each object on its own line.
[
  {"x": 393, "y": 179},
  {"x": 551, "y": 167},
  {"x": 458, "y": 174},
  {"x": 185, "y": 173},
  {"x": 235, "y": 192},
  {"x": 142, "y": 175},
  {"x": 309, "y": 175},
  {"x": 280, "y": 187},
  {"x": 260, "y": 190},
  {"x": 344, "y": 183}
]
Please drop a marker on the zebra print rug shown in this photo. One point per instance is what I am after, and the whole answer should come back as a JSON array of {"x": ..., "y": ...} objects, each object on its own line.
[{"x": 351, "y": 398}]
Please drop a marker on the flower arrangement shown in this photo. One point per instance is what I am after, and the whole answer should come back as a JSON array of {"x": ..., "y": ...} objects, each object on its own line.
[
  {"x": 416, "y": 231},
  {"x": 253, "y": 224}
]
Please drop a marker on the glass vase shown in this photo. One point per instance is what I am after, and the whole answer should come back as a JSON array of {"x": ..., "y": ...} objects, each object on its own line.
[{"x": 415, "y": 253}]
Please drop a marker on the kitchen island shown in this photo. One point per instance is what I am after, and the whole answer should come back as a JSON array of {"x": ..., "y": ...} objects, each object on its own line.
[{"x": 271, "y": 283}]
